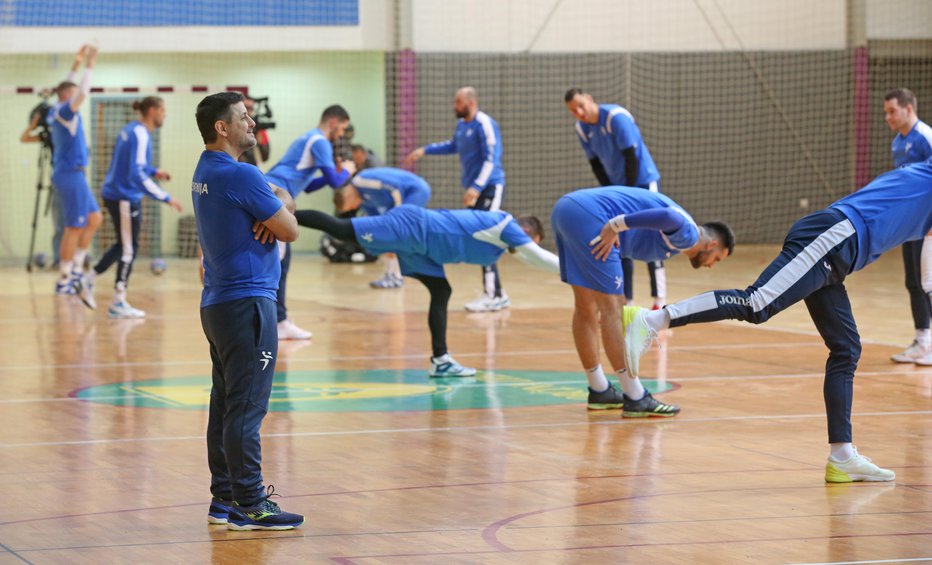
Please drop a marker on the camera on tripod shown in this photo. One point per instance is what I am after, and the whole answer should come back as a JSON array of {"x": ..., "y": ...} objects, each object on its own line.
[
  {"x": 38, "y": 117},
  {"x": 262, "y": 113}
]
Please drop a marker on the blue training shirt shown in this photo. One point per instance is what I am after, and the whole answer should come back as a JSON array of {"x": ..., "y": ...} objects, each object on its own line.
[
  {"x": 613, "y": 133},
  {"x": 130, "y": 173},
  {"x": 302, "y": 161},
  {"x": 914, "y": 147},
  {"x": 67, "y": 137},
  {"x": 642, "y": 244},
  {"x": 378, "y": 187},
  {"x": 479, "y": 145},
  {"x": 444, "y": 236},
  {"x": 228, "y": 198},
  {"x": 893, "y": 208}
]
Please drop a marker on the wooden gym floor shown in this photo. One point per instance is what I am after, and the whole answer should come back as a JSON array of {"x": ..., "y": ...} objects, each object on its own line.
[{"x": 103, "y": 461}]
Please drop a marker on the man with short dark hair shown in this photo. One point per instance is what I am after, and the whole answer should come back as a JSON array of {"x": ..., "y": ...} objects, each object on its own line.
[
  {"x": 310, "y": 154},
  {"x": 478, "y": 142},
  {"x": 426, "y": 240},
  {"x": 616, "y": 151},
  {"x": 596, "y": 227},
  {"x": 819, "y": 252},
  {"x": 239, "y": 217},
  {"x": 912, "y": 144}
]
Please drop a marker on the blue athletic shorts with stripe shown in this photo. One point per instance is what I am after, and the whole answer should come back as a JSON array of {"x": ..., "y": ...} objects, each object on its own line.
[
  {"x": 77, "y": 201},
  {"x": 574, "y": 227}
]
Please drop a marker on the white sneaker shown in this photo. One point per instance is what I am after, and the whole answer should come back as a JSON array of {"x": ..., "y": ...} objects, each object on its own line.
[
  {"x": 911, "y": 353},
  {"x": 84, "y": 287},
  {"x": 925, "y": 360},
  {"x": 122, "y": 309},
  {"x": 858, "y": 468},
  {"x": 288, "y": 330},
  {"x": 638, "y": 336},
  {"x": 446, "y": 366},
  {"x": 486, "y": 303}
]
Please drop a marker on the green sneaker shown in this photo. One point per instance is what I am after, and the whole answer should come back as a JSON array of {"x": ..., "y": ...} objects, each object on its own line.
[{"x": 638, "y": 336}]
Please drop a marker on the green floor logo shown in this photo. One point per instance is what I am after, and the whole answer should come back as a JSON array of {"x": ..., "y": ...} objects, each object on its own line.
[{"x": 366, "y": 391}]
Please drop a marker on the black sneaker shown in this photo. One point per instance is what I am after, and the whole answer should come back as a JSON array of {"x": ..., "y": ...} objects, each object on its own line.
[
  {"x": 647, "y": 407},
  {"x": 264, "y": 515},
  {"x": 219, "y": 511},
  {"x": 606, "y": 400}
]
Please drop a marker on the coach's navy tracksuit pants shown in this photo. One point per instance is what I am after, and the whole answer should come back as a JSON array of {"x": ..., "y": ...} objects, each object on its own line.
[
  {"x": 817, "y": 255},
  {"x": 243, "y": 337}
]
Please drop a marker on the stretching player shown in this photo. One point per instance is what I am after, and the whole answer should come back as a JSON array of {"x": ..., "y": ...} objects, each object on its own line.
[
  {"x": 308, "y": 165},
  {"x": 912, "y": 144},
  {"x": 594, "y": 228},
  {"x": 131, "y": 175},
  {"x": 237, "y": 309},
  {"x": 618, "y": 156},
  {"x": 425, "y": 240},
  {"x": 69, "y": 162},
  {"x": 820, "y": 250},
  {"x": 478, "y": 142},
  {"x": 376, "y": 191}
]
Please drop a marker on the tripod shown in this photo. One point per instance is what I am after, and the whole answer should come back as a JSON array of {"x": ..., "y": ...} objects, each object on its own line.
[{"x": 45, "y": 158}]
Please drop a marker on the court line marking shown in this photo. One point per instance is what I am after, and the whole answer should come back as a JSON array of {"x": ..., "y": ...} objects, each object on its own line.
[
  {"x": 504, "y": 372},
  {"x": 619, "y": 422},
  {"x": 295, "y": 359},
  {"x": 909, "y": 560},
  {"x": 9, "y": 550}
]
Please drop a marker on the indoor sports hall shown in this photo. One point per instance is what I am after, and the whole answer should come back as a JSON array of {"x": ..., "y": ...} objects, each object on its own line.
[{"x": 755, "y": 112}]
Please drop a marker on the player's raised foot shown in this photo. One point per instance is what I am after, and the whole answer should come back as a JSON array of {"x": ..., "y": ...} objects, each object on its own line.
[
  {"x": 648, "y": 407},
  {"x": 486, "y": 303},
  {"x": 65, "y": 287},
  {"x": 123, "y": 310},
  {"x": 219, "y": 511},
  {"x": 638, "y": 336},
  {"x": 858, "y": 468},
  {"x": 608, "y": 399},
  {"x": 387, "y": 281},
  {"x": 446, "y": 366},
  {"x": 264, "y": 515},
  {"x": 85, "y": 290},
  {"x": 911, "y": 353},
  {"x": 289, "y": 330}
]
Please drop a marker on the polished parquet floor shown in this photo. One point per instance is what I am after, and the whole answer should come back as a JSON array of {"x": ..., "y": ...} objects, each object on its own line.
[{"x": 103, "y": 461}]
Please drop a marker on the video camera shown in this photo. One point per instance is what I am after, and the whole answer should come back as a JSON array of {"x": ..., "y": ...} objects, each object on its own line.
[
  {"x": 262, "y": 113},
  {"x": 41, "y": 113}
]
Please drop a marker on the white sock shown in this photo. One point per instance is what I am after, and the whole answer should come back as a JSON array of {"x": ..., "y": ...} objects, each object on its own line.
[
  {"x": 658, "y": 320},
  {"x": 660, "y": 302},
  {"x": 841, "y": 452},
  {"x": 632, "y": 386},
  {"x": 65, "y": 268},
  {"x": 596, "y": 378},
  {"x": 924, "y": 338},
  {"x": 392, "y": 267},
  {"x": 119, "y": 293},
  {"x": 79, "y": 256}
]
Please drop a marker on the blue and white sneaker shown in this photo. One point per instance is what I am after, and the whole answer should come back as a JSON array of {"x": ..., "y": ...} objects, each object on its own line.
[
  {"x": 84, "y": 288},
  {"x": 388, "y": 281},
  {"x": 264, "y": 515},
  {"x": 446, "y": 366},
  {"x": 219, "y": 511},
  {"x": 65, "y": 287}
]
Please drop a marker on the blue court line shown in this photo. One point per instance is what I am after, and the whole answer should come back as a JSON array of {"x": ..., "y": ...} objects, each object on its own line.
[{"x": 14, "y": 554}]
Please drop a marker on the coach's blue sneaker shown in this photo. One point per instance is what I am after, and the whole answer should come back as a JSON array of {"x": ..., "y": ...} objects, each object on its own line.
[
  {"x": 264, "y": 515},
  {"x": 219, "y": 511},
  {"x": 606, "y": 400},
  {"x": 446, "y": 366},
  {"x": 647, "y": 407},
  {"x": 64, "y": 287},
  {"x": 858, "y": 468},
  {"x": 638, "y": 336}
]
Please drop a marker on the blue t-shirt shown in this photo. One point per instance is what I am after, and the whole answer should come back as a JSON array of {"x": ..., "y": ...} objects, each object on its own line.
[
  {"x": 914, "y": 147},
  {"x": 479, "y": 145},
  {"x": 443, "y": 236},
  {"x": 377, "y": 188},
  {"x": 642, "y": 244},
  {"x": 613, "y": 133},
  {"x": 67, "y": 137},
  {"x": 893, "y": 208},
  {"x": 229, "y": 197},
  {"x": 130, "y": 173},
  {"x": 302, "y": 161}
]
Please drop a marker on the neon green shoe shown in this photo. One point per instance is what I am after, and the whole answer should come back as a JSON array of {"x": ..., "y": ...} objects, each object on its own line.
[
  {"x": 638, "y": 336},
  {"x": 858, "y": 468}
]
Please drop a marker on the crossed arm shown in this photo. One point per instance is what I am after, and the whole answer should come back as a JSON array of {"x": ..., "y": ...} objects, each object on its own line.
[{"x": 282, "y": 226}]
